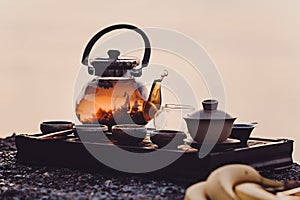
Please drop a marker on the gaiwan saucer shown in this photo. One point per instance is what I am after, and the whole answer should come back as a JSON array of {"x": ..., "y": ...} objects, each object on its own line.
[{"x": 228, "y": 143}]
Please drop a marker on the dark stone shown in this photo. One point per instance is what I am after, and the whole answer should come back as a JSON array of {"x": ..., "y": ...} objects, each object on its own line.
[{"x": 32, "y": 182}]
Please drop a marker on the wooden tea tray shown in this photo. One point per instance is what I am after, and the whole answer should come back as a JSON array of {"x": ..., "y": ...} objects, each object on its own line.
[{"x": 71, "y": 153}]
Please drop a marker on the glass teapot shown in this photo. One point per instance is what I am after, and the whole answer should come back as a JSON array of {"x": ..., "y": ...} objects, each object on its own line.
[{"x": 113, "y": 96}]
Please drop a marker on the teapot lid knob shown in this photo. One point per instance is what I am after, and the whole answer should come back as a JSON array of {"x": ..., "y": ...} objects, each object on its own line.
[{"x": 113, "y": 54}]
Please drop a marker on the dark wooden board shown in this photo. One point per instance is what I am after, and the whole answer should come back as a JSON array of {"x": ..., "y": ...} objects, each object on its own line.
[{"x": 72, "y": 153}]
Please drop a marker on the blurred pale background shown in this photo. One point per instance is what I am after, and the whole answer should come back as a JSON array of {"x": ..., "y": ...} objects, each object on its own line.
[{"x": 255, "y": 45}]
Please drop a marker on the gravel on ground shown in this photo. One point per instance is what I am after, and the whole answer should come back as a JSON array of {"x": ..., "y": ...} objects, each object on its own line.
[{"x": 33, "y": 182}]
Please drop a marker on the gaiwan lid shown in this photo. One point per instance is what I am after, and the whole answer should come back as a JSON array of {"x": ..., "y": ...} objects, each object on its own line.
[{"x": 209, "y": 112}]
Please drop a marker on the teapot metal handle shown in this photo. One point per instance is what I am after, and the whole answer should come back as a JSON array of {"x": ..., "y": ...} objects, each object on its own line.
[{"x": 147, "y": 51}]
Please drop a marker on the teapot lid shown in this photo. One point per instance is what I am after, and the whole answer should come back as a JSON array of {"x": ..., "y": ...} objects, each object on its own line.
[
  {"x": 113, "y": 66},
  {"x": 209, "y": 112}
]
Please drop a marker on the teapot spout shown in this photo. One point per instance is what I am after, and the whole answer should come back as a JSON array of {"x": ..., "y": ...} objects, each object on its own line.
[{"x": 152, "y": 105}]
